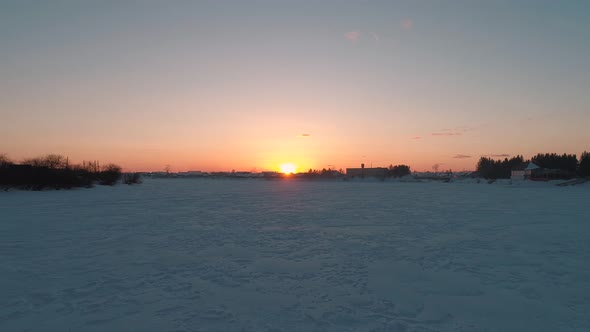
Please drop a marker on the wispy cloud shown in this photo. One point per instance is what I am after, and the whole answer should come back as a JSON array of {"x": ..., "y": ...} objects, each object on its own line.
[
  {"x": 303, "y": 135},
  {"x": 417, "y": 137},
  {"x": 461, "y": 156},
  {"x": 465, "y": 129},
  {"x": 503, "y": 155},
  {"x": 407, "y": 24},
  {"x": 352, "y": 35},
  {"x": 447, "y": 134},
  {"x": 458, "y": 131}
]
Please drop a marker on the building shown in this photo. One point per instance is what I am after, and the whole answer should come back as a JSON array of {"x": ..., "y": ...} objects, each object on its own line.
[
  {"x": 544, "y": 174},
  {"x": 523, "y": 171},
  {"x": 366, "y": 172}
]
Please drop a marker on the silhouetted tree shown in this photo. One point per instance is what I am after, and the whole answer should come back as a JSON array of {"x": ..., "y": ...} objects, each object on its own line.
[
  {"x": 398, "y": 171},
  {"x": 584, "y": 167},
  {"x": 54, "y": 172},
  {"x": 564, "y": 162},
  {"x": 323, "y": 173},
  {"x": 497, "y": 169},
  {"x": 52, "y": 161},
  {"x": 109, "y": 175},
  {"x": 90, "y": 166},
  {"x": 4, "y": 160},
  {"x": 35, "y": 162}
]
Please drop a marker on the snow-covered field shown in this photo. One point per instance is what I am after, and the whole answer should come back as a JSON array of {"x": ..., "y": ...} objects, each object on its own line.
[{"x": 255, "y": 255}]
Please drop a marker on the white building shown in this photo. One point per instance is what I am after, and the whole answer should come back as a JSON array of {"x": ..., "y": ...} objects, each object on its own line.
[{"x": 523, "y": 171}]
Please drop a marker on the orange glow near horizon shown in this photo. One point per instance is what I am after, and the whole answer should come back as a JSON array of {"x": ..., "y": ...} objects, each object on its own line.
[{"x": 288, "y": 168}]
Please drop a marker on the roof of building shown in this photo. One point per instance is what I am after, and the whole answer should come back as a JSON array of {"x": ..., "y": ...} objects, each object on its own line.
[
  {"x": 526, "y": 166},
  {"x": 368, "y": 168}
]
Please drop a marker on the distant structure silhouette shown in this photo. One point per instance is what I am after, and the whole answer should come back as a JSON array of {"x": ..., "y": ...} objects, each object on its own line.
[{"x": 366, "y": 172}]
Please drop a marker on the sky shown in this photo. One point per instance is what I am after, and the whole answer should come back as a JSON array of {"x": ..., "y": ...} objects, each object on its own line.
[{"x": 249, "y": 85}]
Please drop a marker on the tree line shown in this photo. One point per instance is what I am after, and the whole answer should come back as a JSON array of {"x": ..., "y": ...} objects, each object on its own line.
[
  {"x": 55, "y": 172},
  {"x": 567, "y": 163},
  {"x": 497, "y": 169},
  {"x": 398, "y": 171},
  {"x": 323, "y": 173}
]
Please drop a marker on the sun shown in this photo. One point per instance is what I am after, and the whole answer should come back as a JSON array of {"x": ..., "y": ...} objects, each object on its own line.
[{"x": 288, "y": 168}]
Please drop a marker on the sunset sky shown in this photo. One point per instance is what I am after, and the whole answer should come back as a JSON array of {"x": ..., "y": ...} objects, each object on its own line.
[{"x": 249, "y": 85}]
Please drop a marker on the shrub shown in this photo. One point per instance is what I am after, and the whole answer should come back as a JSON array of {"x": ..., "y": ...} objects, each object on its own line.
[
  {"x": 132, "y": 178},
  {"x": 109, "y": 175}
]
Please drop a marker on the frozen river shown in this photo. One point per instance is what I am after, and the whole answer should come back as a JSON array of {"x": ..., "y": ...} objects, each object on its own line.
[{"x": 255, "y": 255}]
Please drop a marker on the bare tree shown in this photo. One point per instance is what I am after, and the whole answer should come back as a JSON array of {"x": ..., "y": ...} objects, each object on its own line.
[
  {"x": 52, "y": 161},
  {"x": 4, "y": 160},
  {"x": 55, "y": 161},
  {"x": 37, "y": 162},
  {"x": 435, "y": 167},
  {"x": 91, "y": 166}
]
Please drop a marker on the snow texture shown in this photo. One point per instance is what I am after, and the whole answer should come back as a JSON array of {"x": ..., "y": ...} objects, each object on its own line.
[{"x": 256, "y": 255}]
